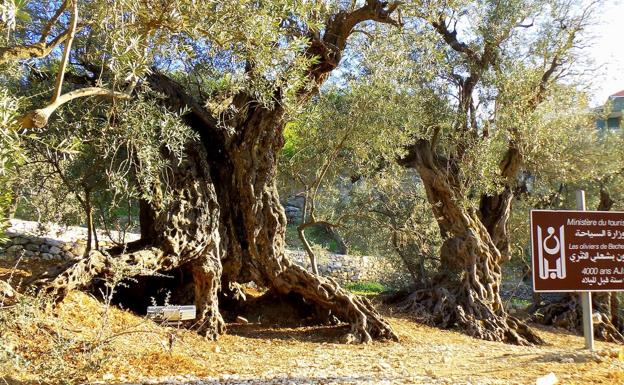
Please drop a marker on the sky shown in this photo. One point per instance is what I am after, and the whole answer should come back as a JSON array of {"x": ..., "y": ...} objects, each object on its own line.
[{"x": 607, "y": 50}]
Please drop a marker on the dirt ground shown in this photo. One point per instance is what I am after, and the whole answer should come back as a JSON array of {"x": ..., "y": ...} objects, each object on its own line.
[{"x": 84, "y": 341}]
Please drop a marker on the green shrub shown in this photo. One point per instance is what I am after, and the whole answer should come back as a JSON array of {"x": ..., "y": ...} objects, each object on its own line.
[{"x": 366, "y": 287}]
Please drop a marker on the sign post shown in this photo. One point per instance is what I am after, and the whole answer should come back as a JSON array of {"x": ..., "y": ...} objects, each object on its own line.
[
  {"x": 586, "y": 301},
  {"x": 578, "y": 251}
]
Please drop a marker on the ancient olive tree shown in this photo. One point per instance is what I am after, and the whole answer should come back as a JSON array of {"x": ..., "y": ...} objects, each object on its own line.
[
  {"x": 234, "y": 70},
  {"x": 484, "y": 92},
  {"x": 503, "y": 70}
]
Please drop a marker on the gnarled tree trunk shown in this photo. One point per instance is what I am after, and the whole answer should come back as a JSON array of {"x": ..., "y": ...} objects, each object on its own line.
[
  {"x": 254, "y": 226},
  {"x": 566, "y": 312},
  {"x": 220, "y": 211},
  {"x": 179, "y": 228},
  {"x": 494, "y": 210},
  {"x": 466, "y": 291},
  {"x": 227, "y": 216}
]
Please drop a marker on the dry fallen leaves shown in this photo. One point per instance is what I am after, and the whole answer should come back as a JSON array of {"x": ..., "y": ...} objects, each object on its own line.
[{"x": 254, "y": 352}]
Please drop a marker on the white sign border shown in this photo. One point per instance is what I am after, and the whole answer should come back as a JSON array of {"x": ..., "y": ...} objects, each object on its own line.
[{"x": 533, "y": 244}]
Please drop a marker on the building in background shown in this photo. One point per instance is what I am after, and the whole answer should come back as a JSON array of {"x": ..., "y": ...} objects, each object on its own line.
[{"x": 610, "y": 114}]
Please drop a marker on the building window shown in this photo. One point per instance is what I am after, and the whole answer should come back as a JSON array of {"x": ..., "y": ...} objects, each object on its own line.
[{"x": 613, "y": 123}]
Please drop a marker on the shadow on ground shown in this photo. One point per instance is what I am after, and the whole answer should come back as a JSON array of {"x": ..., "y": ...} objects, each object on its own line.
[{"x": 316, "y": 334}]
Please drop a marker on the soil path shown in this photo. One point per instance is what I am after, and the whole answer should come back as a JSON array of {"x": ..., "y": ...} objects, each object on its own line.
[{"x": 139, "y": 351}]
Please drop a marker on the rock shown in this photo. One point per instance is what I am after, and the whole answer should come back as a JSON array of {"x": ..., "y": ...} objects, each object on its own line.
[
  {"x": 295, "y": 201},
  {"x": 54, "y": 242},
  {"x": 54, "y": 250},
  {"x": 597, "y": 357},
  {"x": 8, "y": 296},
  {"x": 549, "y": 379},
  {"x": 349, "y": 338},
  {"x": 36, "y": 241},
  {"x": 44, "y": 248},
  {"x": 47, "y": 256},
  {"x": 19, "y": 241},
  {"x": 216, "y": 349},
  {"x": 77, "y": 249},
  {"x": 15, "y": 250},
  {"x": 32, "y": 247},
  {"x": 293, "y": 214},
  {"x": 29, "y": 254}
]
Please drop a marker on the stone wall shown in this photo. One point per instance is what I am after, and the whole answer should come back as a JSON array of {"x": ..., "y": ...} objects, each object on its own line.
[
  {"x": 347, "y": 268},
  {"x": 27, "y": 239},
  {"x": 59, "y": 243}
]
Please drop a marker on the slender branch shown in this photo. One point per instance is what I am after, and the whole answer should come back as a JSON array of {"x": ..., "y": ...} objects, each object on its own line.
[
  {"x": 38, "y": 50},
  {"x": 450, "y": 37},
  {"x": 68, "y": 44},
  {"x": 317, "y": 223},
  {"x": 39, "y": 118},
  {"x": 329, "y": 161},
  {"x": 48, "y": 27},
  {"x": 368, "y": 34},
  {"x": 308, "y": 248},
  {"x": 65, "y": 179},
  {"x": 41, "y": 48}
]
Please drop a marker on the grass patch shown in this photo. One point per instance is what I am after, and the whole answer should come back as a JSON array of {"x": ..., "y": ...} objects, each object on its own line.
[
  {"x": 519, "y": 302},
  {"x": 366, "y": 287}
]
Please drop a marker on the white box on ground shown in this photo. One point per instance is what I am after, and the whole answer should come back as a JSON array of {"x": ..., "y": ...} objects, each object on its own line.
[{"x": 171, "y": 313}]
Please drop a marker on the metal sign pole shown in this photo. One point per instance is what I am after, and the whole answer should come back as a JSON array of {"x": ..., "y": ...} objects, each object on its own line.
[{"x": 586, "y": 301}]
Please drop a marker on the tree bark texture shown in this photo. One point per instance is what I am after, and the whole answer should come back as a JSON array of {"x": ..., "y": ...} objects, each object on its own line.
[
  {"x": 566, "y": 313},
  {"x": 466, "y": 291},
  {"x": 308, "y": 249},
  {"x": 494, "y": 210},
  {"x": 184, "y": 219},
  {"x": 254, "y": 225}
]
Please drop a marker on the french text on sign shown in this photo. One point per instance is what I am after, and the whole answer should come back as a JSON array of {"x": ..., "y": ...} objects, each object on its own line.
[{"x": 577, "y": 250}]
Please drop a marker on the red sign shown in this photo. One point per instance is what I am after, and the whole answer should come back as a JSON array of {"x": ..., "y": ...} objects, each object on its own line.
[{"x": 577, "y": 250}]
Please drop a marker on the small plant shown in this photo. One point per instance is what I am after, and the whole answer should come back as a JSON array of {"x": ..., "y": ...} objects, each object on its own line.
[
  {"x": 519, "y": 302},
  {"x": 366, "y": 287}
]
